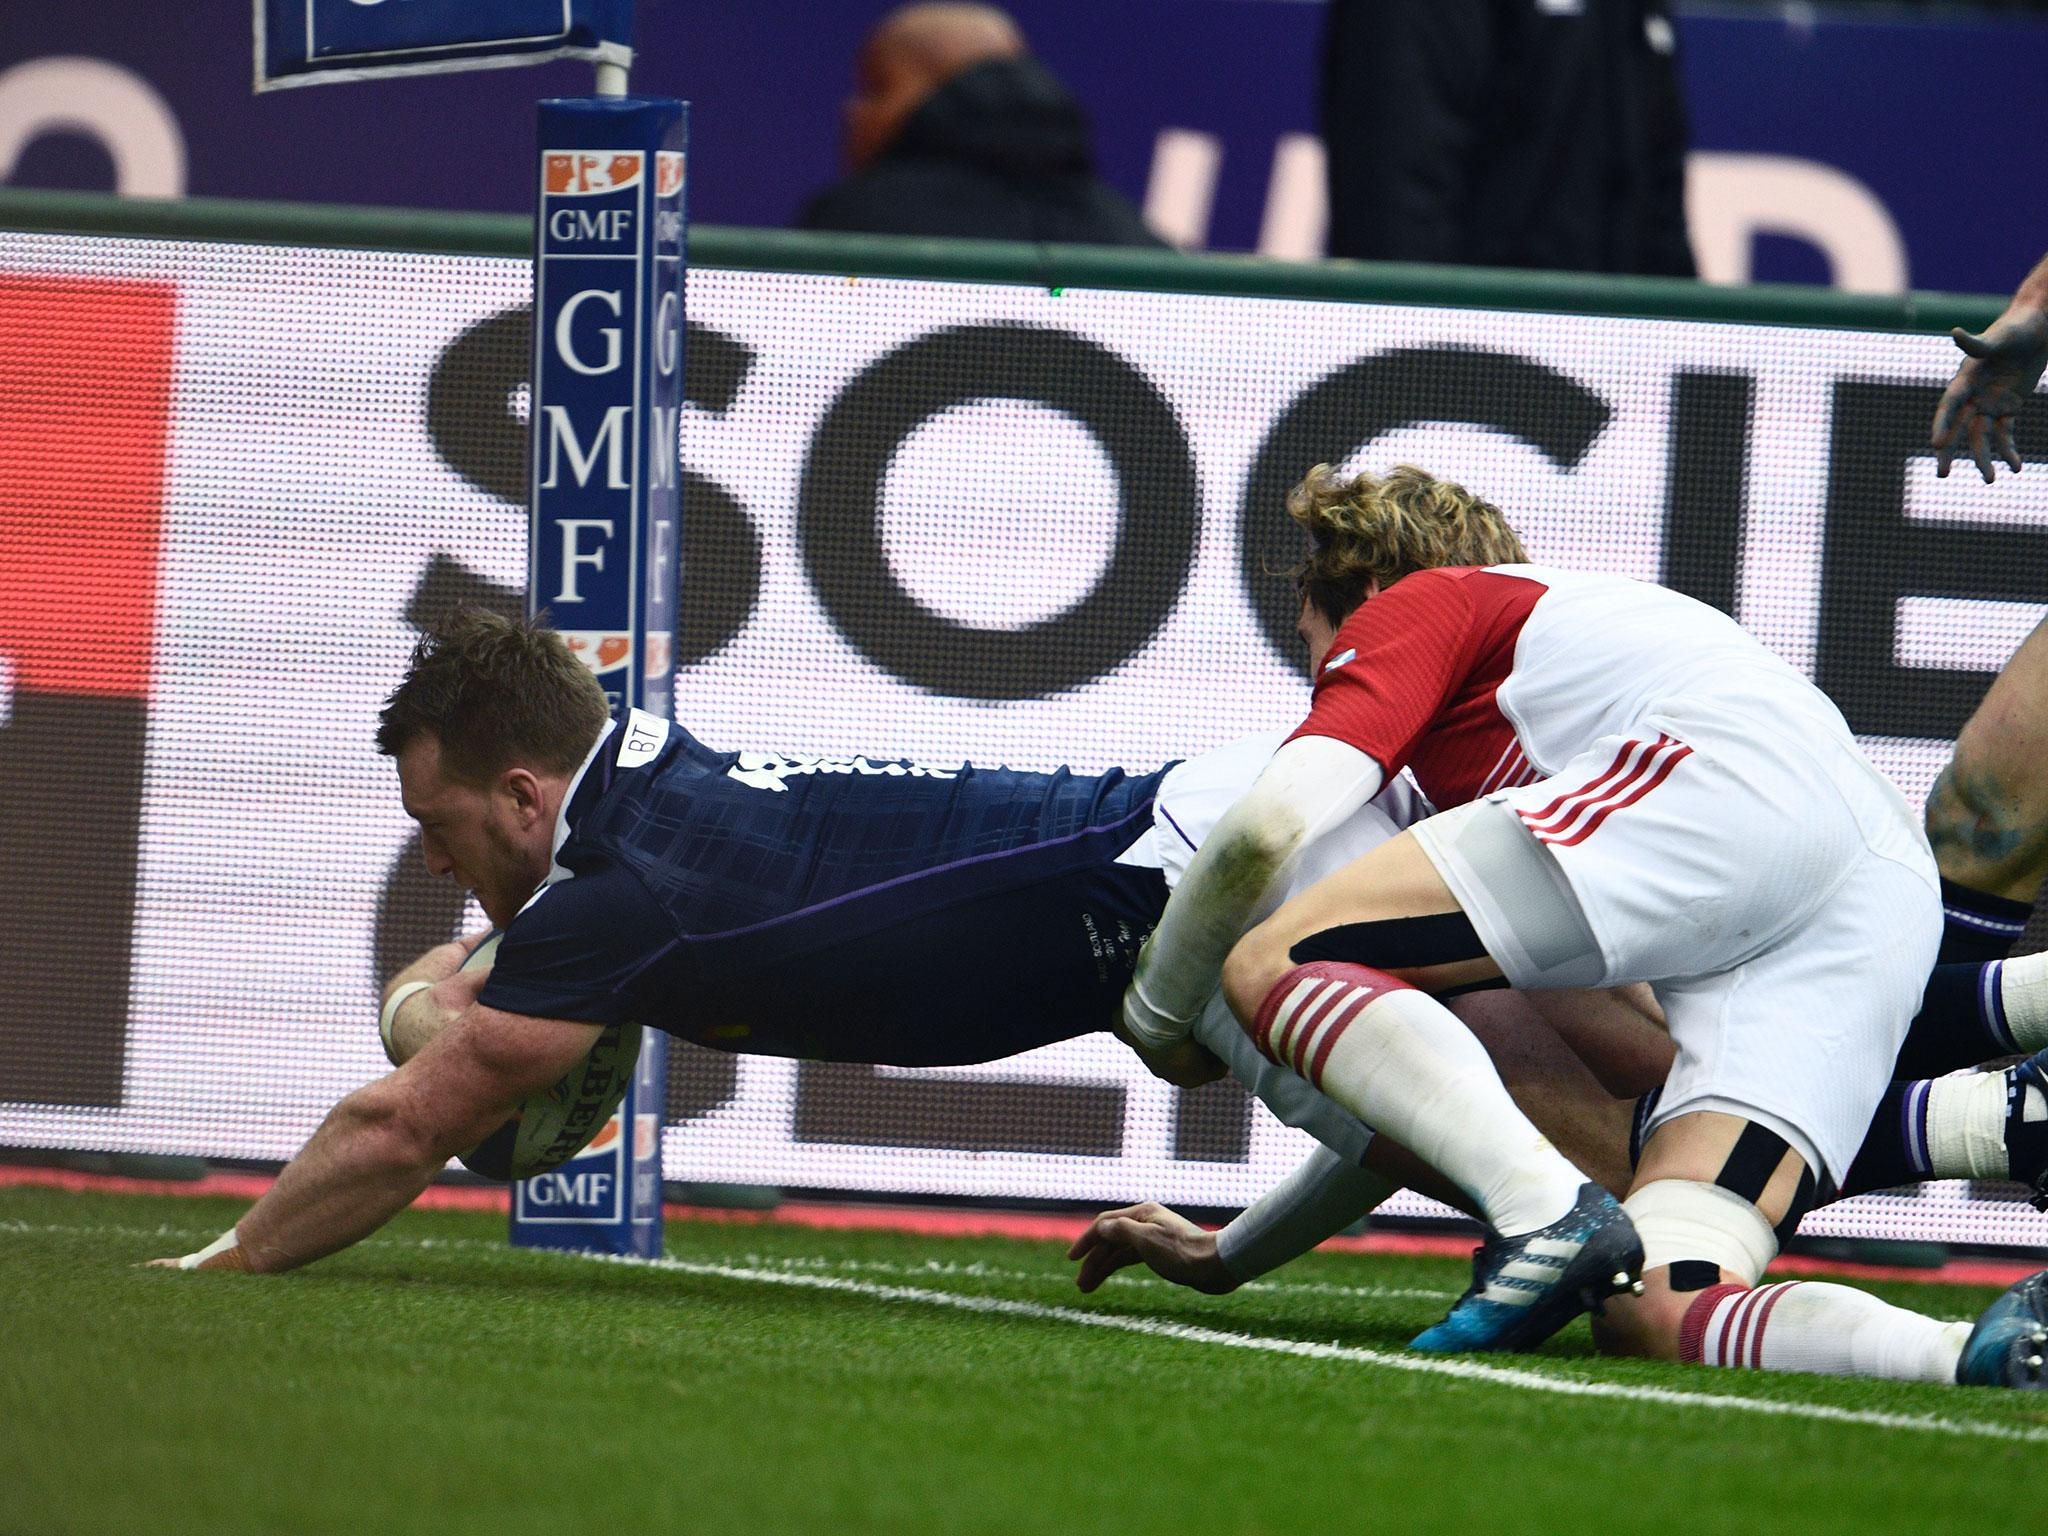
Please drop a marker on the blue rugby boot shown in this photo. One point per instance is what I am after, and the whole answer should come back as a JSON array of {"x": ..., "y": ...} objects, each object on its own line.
[
  {"x": 1526, "y": 1288},
  {"x": 2009, "y": 1345}
]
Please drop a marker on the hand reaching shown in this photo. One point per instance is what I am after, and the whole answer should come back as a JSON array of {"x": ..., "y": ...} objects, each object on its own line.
[
  {"x": 1166, "y": 1242},
  {"x": 1983, "y": 400}
]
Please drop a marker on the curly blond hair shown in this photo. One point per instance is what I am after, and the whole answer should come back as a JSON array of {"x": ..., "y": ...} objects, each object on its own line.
[{"x": 1381, "y": 527}]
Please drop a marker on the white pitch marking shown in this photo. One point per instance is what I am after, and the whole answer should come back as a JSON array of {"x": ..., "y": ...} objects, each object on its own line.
[
  {"x": 36, "y": 1229},
  {"x": 929, "y": 1268},
  {"x": 976, "y": 1270},
  {"x": 1468, "y": 1370},
  {"x": 1191, "y": 1333}
]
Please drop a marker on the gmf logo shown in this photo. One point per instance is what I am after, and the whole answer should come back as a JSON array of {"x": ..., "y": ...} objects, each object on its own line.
[
  {"x": 597, "y": 649},
  {"x": 580, "y": 173}
]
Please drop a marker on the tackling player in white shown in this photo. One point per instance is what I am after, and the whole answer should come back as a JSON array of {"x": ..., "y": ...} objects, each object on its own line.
[{"x": 1637, "y": 792}]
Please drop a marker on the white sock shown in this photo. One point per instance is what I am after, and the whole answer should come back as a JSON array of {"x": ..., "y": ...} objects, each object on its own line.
[
  {"x": 2022, "y": 984},
  {"x": 1966, "y": 1125},
  {"x": 1807, "y": 1325},
  {"x": 1403, "y": 1063}
]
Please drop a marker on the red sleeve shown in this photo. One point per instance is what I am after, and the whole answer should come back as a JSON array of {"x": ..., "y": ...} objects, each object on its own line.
[{"x": 1394, "y": 666}]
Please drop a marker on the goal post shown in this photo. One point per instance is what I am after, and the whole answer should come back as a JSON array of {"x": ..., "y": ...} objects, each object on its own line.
[{"x": 609, "y": 255}]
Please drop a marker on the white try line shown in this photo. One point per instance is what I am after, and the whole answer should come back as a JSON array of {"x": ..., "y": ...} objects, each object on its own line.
[
  {"x": 975, "y": 1269},
  {"x": 807, "y": 1278},
  {"x": 1427, "y": 1365}
]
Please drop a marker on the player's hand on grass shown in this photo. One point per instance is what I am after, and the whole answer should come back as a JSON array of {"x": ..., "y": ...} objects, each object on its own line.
[
  {"x": 224, "y": 1252},
  {"x": 1165, "y": 1241},
  {"x": 1984, "y": 399},
  {"x": 218, "y": 1261}
]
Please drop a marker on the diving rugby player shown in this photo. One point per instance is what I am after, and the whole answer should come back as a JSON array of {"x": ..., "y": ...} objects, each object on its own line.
[{"x": 803, "y": 917}]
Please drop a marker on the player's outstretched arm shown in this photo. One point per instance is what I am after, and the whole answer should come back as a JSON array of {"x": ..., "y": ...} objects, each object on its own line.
[
  {"x": 1319, "y": 1199},
  {"x": 379, "y": 1147},
  {"x": 2003, "y": 365},
  {"x": 1987, "y": 814}
]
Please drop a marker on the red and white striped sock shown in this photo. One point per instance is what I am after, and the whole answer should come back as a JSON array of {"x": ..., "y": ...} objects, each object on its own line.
[
  {"x": 1808, "y": 1325},
  {"x": 1400, "y": 1061}
]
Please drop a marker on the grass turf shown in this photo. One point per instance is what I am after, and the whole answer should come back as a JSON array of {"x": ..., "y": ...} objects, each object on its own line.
[{"x": 436, "y": 1380}]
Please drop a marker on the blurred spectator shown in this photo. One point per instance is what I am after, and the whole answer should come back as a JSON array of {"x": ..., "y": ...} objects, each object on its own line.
[
  {"x": 953, "y": 129},
  {"x": 1509, "y": 133}
]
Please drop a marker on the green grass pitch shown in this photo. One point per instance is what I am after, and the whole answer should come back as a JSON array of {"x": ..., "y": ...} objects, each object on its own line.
[{"x": 770, "y": 1380}]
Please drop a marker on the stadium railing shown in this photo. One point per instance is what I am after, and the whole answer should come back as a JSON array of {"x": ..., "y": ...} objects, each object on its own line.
[{"x": 995, "y": 261}]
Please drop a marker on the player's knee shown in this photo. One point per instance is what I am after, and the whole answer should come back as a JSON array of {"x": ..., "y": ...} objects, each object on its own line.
[{"x": 1255, "y": 963}]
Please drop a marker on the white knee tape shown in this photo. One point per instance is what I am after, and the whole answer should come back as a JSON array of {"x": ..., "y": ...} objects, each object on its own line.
[{"x": 1679, "y": 1219}]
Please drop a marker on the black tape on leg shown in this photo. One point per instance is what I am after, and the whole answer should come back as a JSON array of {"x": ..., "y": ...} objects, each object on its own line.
[
  {"x": 1491, "y": 984},
  {"x": 1395, "y": 943},
  {"x": 1751, "y": 1162},
  {"x": 1802, "y": 1202},
  {"x": 1694, "y": 1274},
  {"x": 1639, "y": 1125}
]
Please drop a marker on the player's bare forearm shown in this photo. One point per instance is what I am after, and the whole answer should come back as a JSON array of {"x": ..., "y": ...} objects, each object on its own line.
[
  {"x": 1181, "y": 963},
  {"x": 378, "y": 1148},
  {"x": 1987, "y": 814},
  {"x": 1984, "y": 836},
  {"x": 363, "y": 1166}
]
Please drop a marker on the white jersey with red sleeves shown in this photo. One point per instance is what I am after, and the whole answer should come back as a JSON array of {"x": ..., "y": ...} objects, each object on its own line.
[
  {"x": 1719, "y": 832},
  {"x": 1479, "y": 679}
]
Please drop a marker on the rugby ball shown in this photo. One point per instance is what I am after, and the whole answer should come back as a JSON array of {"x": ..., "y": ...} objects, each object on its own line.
[{"x": 552, "y": 1127}]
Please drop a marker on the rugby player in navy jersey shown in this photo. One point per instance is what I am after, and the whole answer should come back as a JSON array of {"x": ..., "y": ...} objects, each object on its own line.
[
  {"x": 837, "y": 909},
  {"x": 848, "y": 909}
]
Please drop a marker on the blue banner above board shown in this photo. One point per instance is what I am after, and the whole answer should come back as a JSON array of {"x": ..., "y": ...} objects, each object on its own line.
[{"x": 308, "y": 42}]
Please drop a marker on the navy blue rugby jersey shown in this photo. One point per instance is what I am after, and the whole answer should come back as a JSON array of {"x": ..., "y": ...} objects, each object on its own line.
[{"x": 839, "y": 909}]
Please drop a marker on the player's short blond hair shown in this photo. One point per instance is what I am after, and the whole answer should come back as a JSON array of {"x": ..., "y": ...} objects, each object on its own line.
[{"x": 1382, "y": 527}]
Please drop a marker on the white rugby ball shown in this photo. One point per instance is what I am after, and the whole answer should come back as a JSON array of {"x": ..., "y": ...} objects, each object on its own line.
[{"x": 552, "y": 1127}]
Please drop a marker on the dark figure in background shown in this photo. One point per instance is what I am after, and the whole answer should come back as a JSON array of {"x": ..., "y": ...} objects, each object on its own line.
[
  {"x": 1506, "y": 133},
  {"x": 954, "y": 130}
]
